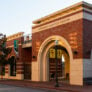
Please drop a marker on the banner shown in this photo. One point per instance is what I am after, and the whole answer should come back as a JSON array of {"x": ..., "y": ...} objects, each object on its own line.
[
  {"x": 52, "y": 53},
  {"x": 16, "y": 46},
  {"x": 59, "y": 53}
]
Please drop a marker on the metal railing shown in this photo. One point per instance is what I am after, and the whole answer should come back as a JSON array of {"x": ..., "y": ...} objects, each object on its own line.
[{"x": 27, "y": 39}]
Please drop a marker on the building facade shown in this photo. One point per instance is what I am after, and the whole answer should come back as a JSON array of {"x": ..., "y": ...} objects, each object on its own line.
[
  {"x": 20, "y": 68},
  {"x": 36, "y": 59},
  {"x": 72, "y": 27}
]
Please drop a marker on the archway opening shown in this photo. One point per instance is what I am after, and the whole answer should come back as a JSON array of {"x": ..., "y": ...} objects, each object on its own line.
[
  {"x": 43, "y": 59},
  {"x": 63, "y": 62}
]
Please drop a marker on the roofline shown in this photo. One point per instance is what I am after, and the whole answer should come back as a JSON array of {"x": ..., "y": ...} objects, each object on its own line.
[
  {"x": 15, "y": 34},
  {"x": 62, "y": 10}
]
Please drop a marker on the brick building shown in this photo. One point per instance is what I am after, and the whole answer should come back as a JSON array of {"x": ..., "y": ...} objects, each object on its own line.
[
  {"x": 21, "y": 63},
  {"x": 71, "y": 28}
]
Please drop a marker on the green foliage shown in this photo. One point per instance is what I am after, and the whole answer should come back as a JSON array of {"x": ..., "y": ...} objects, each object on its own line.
[{"x": 4, "y": 51}]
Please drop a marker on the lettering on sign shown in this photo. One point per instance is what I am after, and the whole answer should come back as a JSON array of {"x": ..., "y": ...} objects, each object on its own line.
[{"x": 52, "y": 24}]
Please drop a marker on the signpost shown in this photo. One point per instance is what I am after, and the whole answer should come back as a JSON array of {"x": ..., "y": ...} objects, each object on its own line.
[{"x": 56, "y": 43}]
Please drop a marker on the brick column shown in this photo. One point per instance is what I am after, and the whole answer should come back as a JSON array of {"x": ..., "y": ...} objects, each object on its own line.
[
  {"x": 20, "y": 70},
  {"x": 6, "y": 71}
]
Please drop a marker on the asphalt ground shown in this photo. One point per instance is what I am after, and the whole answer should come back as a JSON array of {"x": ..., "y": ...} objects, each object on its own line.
[
  {"x": 10, "y": 88},
  {"x": 42, "y": 86}
]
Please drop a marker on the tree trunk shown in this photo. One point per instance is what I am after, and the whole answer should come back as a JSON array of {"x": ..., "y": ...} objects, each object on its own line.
[{"x": 1, "y": 72}]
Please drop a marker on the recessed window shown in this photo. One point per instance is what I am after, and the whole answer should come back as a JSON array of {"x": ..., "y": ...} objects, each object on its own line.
[{"x": 13, "y": 66}]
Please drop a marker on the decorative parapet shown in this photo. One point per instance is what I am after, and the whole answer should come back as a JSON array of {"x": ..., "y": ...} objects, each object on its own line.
[
  {"x": 62, "y": 13},
  {"x": 14, "y": 36}
]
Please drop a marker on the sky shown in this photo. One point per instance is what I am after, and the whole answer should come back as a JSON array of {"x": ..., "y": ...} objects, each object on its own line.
[{"x": 17, "y": 15}]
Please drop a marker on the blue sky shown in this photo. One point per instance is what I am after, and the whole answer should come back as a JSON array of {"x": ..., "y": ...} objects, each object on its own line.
[{"x": 17, "y": 15}]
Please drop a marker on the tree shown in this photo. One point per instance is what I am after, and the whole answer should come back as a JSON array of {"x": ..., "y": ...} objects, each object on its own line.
[{"x": 4, "y": 52}]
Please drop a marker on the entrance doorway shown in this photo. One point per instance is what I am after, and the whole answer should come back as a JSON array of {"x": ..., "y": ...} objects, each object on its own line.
[
  {"x": 42, "y": 65},
  {"x": 62, "y": 62}
]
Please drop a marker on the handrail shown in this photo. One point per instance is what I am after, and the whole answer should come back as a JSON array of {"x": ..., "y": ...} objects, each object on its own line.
[{"x": 27, "y": 38}]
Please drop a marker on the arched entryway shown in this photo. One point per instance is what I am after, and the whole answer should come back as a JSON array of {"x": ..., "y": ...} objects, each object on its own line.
[
  {"x": 63, "y": 63},
  {"x": 43, "y": 60}
]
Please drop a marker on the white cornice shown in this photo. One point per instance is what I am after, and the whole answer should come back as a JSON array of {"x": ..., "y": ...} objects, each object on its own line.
[
  {"x": 64, "y": 11},
  {"x": 14, "y": 36}
]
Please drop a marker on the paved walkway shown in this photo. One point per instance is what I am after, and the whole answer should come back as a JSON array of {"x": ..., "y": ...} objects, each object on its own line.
[
  {"x": 48, "y": 85},
  {"x": 10, "y": 88}
]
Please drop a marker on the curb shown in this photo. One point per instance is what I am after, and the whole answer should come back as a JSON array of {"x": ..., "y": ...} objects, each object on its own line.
[{"x": 44, "y": 87}]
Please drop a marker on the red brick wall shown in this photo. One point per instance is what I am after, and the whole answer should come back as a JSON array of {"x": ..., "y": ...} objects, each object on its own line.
[
  {"x": 64, "y": 31},
  {"x": 25, "y": 55},
  {"x": 87, "y": 38},
  {"x": 11, "y": 44}
]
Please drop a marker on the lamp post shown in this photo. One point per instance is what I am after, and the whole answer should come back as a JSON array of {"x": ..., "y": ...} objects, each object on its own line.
[{"x": 56, "y": 43}]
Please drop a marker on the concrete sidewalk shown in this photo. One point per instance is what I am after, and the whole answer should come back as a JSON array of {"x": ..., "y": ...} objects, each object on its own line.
[{"x": 48, "y": 85}]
